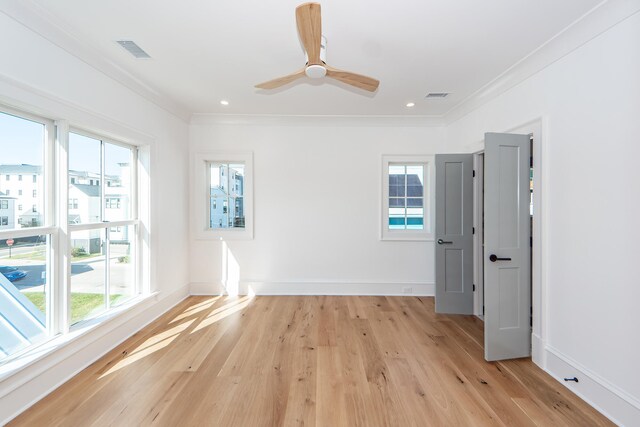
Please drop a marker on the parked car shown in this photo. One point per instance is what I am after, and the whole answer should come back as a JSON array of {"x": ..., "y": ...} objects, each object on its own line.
[{"x": 12, "y": 273}]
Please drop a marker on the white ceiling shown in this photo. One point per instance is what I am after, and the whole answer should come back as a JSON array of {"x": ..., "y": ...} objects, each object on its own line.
[{"x": 205, "y": 51}]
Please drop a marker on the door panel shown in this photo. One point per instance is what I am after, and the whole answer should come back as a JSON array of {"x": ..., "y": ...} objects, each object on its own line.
[
  {"x": 454, "y": 233},
  {"x": 507, "y": 259}
]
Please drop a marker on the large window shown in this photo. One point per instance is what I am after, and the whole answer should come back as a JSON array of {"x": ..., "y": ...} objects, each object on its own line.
[
  {"x": 103, "y": 228},
  {"x": 94, "y": 258},
  {"x": 25, "y": 236},
  {"x": 406, "y": 204}
]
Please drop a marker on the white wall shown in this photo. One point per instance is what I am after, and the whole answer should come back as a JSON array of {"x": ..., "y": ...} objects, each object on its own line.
[
  {"x": 317, "y": 208},
  {"x": 42, "y": 78},
  {"x": 589, "y": 102}
]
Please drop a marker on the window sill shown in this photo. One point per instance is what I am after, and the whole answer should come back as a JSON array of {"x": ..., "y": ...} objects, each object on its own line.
[
  {"x": 407, "y": 238},
  {"x": 18, "y": 363},
  {"x": 225, "y": 234}
]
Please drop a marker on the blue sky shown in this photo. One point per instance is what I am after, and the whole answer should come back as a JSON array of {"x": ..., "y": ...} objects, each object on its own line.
[{"x": 21, "y": 141}]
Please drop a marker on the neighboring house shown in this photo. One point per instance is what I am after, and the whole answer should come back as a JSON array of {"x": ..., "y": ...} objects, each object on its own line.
[
  {"x": 7, "y": 212},
  {"x": 92, "y": 178},
  {"x": 117, "y": 202},
  {"x": 84, "y": 207},
  {"x": 226, "y": 206},
  {"x": 405, "y": 197},
  {"x": 24, "y": 183}
]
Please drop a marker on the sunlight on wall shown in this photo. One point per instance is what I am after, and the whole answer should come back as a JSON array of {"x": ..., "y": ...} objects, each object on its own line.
[{"x": 230, "y": 271}]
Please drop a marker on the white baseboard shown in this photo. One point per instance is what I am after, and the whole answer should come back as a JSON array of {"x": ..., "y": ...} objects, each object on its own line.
[
  {"x": 206, "y": 289},
  {"x": 51, "y": 371},
  {"x": 617, "y": 405},
  {"x": 315, "y": 288}
]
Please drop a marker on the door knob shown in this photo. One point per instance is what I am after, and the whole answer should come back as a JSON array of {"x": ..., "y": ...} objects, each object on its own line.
[
  {"x": 494, "y": 258},
  {"x": 442, "y": 242}
]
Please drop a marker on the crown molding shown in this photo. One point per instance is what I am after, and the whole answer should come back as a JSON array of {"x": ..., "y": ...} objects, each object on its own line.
[
  {"x": 314, "y": 120},
  {"x": 598, "y": 20},
  {"x": 32, "y": 16}
]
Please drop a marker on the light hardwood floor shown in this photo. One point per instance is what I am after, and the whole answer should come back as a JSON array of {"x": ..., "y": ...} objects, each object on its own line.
[{"x": 325, "y": 361}]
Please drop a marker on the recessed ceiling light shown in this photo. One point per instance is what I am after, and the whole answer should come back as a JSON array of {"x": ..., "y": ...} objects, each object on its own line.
[
  {"x": 224, "y": 102},
  {"x": 411, "y": 104}
]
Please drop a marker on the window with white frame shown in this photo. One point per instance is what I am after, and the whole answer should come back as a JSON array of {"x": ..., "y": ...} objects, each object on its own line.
[
  {"x": 225, "y": 210},
  {"x": 102, "y": 245},
  {"x": 26, "y": 143},
  {"x": 110, "y": 254},
  {"x": 407, "y": 198}
]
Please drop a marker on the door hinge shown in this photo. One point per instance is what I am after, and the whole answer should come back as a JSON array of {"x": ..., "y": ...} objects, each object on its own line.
[
  {"x": 474, "y": 288},
  {"x": 473, "y": 230},
  {"x": 531, "y": 241},
  {"x": 473, "y": 174},
  {"x": 483, "y": 310},
  {"x": 531, "y": 316},
  {"x": 531, "y": 161}
]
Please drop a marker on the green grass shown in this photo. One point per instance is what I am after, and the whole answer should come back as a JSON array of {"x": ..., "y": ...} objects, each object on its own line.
[
  {"x": 37, "y": 255},
  {"x": 40, "y": 255},
  {"x": 82, "y": 304}
]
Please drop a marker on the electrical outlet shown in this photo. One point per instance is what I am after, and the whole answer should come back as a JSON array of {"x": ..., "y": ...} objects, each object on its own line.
[{"x": 407, "y": 290}]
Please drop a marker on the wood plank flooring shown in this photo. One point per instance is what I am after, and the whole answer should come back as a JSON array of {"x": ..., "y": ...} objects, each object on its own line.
[{"x": 305, "y": 361}]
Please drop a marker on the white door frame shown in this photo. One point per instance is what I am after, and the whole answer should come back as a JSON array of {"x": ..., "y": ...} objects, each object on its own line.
[
  {"x": 535, "y": 127},
  {"x": 478, "y": 250}
]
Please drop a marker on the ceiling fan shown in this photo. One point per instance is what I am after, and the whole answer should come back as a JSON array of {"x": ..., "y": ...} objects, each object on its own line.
[{"x": 310, "y": 31}]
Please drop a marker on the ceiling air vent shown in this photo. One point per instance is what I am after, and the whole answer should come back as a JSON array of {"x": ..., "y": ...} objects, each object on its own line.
[
  {"x": 135, "y": 50},
  {"x": 433, "y": 95}
]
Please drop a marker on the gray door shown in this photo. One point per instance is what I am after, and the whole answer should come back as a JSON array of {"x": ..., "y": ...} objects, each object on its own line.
[
  {"x": 454, "y": 233},
  {"x": 507, "y": 259}
]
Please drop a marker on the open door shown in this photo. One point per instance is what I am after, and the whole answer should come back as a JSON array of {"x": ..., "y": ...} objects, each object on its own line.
[
  {"x": 507, "y": 259},
  {"x": 454, "y": 233}
]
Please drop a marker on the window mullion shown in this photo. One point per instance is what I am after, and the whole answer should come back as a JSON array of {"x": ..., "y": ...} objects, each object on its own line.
[
  {"x": 101, "y": 183},
  {"x": 107, "y": 270},
  {"x": 406, "y": 198},
  {"x": 228, "y": 192},
  {"x": 60, "y": 265}
]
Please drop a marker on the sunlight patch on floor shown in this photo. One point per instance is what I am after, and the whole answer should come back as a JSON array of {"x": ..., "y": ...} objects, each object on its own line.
[
  {"x": 224, "y": 311},
  {"x": 150, "y": 346},
  {"x": 196, "y": 308}
]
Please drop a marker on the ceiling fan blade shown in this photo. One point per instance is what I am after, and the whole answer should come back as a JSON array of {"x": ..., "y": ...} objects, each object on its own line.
[
  {"x": 310, "y": 30},
  {"x": 353, "y": 79},
  {"x": 281, "y": 81}
]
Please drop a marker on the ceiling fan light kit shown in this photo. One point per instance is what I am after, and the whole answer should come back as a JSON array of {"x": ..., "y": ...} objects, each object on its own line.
[
  {"x": 310, "y": 31},
  {"x": 315, "y": 71}
]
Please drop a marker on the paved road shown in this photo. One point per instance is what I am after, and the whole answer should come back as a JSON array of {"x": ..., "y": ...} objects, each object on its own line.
[{"x": 86, "y": 276}]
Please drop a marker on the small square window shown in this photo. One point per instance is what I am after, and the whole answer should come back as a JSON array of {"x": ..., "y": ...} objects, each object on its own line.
[
  {"x": 227, "y": 209},
  {"x": 407, "y": 198}
]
